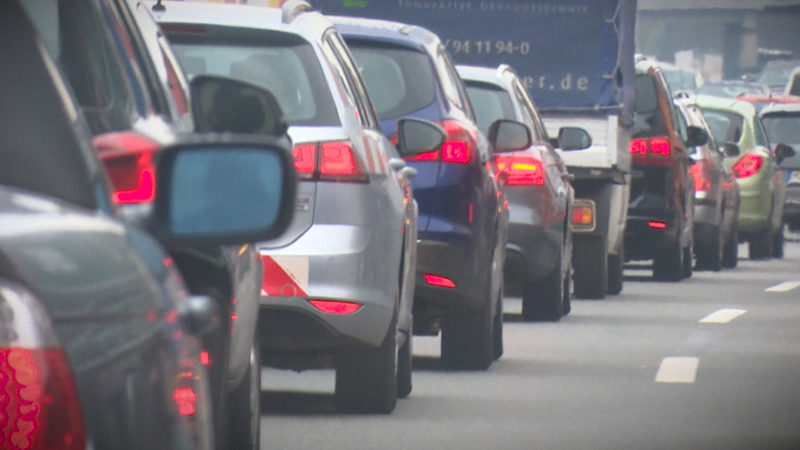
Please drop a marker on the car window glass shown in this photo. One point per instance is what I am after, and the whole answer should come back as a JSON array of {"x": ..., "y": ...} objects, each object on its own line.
[
  {"x": 400, "y": 80},
  {"x": 782, "y": 129},
  {"x": 448, "y": 80},
  {"x": 760, "y": 135},
  {"x": 494, "y": 101},
  {"x": 366, "y": 112},
  {"x": 725, "y": 126},
  {"x": 282, "y": 63},
  {"x": 526, "y": 104},
  {"x": 684, "y": 135}
]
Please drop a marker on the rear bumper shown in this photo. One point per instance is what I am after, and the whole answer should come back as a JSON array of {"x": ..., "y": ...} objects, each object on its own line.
[
  {"x": 531, "y": 252},
  {"x": 447, "y": 260},
  {"x": 643, "y": 241}
]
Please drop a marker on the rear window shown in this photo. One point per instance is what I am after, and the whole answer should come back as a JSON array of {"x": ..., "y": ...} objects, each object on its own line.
[
  {"x": 399, "y": 80},
  {"x": 283, "y": 63},
  {"x": 647, "y": 120},
  {"x": 725, "y": 126},
  {"x": 492, "y": 103},
  {"x": 782, "y": 128}
]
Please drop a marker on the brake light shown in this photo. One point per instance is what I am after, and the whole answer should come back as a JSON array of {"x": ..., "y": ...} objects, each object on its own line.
[
  {"x": 335, "y": 307},
  {"x": 457, "y": 148},
  {"x": 39, "y": 404},
  {"x": 516, "y": 170},
  {"x": 748, "y": 165},
  {"x": 699, "y": 171},
  {"x": 440, "y": 281},
  {"x": 328, "y": 161},
  {"x": 656, "y": 150},
  {"x": 582, "y": 215},
  {"x": 130, "y": 162}
]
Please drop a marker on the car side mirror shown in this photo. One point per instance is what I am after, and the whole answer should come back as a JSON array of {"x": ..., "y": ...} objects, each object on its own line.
[
  {"x": 416, "y": 136},
  {"x": 783, "y": 151},
  {"x": 509, "y": 135},
  {"x": 730, "y": 149},
  {"x": 220, "y": 191},
  {"x": 573, "y": 138},
  {"x": 226, "y": 105},
  {"x": 696, "y": 136}
]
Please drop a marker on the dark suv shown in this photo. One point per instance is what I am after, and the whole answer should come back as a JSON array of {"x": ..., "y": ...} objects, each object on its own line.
[{"x": 660, "y": 210}]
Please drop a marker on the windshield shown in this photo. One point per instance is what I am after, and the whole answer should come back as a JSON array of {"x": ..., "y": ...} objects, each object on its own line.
[
  {"x": 732, "y": 89},
  {"x": 725, "y": 126},
  {"x": 495, "y": 103},
  {"x": 782, "y": 128},
  {"x": 282, "y": 63},
  {"x": 399, "y": 80}
]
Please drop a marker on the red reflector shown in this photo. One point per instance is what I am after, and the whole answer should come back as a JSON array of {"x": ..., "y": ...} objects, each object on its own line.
[
  {"x": 305, "y": 156},
  {"x": 129, "y": 160},
  {"x": 515, "y": 170},
  {"x": 657, "y": 225},
  {"x": 638, "y": 146},
  {"x": 748, "y": 165},
  {"x": 185, "y": 398},
  {"x": 335, "y": 307},
  {"x": 436, "y": 280},
  {"x": 205, "y": 358},
  {"x": 39, "y": 406},
  {"x": 427, "y": 156}
]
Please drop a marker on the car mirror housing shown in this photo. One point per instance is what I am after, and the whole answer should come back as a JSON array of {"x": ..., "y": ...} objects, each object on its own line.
[
  {"x": 730, "y": 149},
  {"x": 573, "y": 138},
  {"x": 221, "y": 105},
  {"x": 696, "y": 136},
  {"x": 223, "y": 191},
  {"x": 509, "y": 135},
  {"x": 416, "y": 136}
]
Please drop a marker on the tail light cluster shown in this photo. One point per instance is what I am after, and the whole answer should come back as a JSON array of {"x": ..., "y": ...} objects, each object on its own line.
[
  {"x": 519, "y": 169},
  {"x": 699, "y": 171},
  {"x": 748, "y": 165},
  {"x": 328, "y": 161},
  {"x": 458, "y": 148},
  {"x": 130, "y": 161},
  {"x": 39, "y": 404},
  {"x": 653, "y": 151},
  {"x": 583, "y": 215}
]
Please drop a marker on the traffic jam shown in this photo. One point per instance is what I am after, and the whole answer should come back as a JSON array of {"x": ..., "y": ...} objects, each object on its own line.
[{"x": 243, "y": 224}]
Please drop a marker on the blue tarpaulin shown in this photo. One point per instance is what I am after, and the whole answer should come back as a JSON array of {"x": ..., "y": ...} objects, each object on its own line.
[{"x": 567, "y": 52}]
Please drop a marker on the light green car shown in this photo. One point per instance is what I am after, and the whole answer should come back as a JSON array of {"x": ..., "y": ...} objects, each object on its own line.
[{"x": 736, "y": 126}]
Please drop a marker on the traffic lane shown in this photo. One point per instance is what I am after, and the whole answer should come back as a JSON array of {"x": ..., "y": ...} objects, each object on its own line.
[{"x": 588, "y": 381}]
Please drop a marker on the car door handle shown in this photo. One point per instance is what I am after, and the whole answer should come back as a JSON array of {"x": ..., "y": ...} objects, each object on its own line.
[
  {"x": 396, "y": 164},
  {"x": 407, "y": 173}
]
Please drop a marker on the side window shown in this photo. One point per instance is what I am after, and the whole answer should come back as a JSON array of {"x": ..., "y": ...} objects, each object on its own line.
[
  {"x": 344, "y": 85},
  {"x": 681, "y": 124},
  {"x": 448, "y": 79},
  {"x": 760, "y": 135},
  {"x": 366, "y": 111},
  {"x": 794, "y": 84},
  {"x": 529, "y": 112}
]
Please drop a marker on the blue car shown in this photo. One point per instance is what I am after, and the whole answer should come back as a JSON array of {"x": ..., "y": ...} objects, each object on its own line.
[{"x": 462, "y": 214}]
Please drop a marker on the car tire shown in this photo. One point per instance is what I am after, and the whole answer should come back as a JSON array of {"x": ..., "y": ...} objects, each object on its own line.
[
  {"x": 544, "y": 299},
  {"x": 730, "y": 254},
  {"x": 710, "y": 255},
  {"x": 590, "y": 264},
  {"x": 366, "y": 377},
  {"x": 497, "y": 329},
  {"x": 405, "y": 356},
  {"x": 244, "y": 423},
  {"x": 777, "y": 243},
  {"x": 468, "y": 341},
  {"x": 760, "y": 246},
  {"x": 567, "y": 308},
  {"x": 668, "y": 263},
  {"x": 687, "y": 262},
  {"x": 615, "y": 272}
]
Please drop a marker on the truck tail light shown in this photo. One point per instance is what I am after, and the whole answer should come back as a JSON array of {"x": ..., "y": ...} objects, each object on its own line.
[
  {"x": 651, "y": 151},
  {"x": 39, "y": 406},
  {"x": 129, "y": 158},
  {"x": 583, "y": 215},
  {"x": 515, "y": 170},
  {"x": 748, "y": 165},
  {"x": 328, "y": 161},
  {"x": 458, "y": 148},
  {"x": 699, "y": 171}
]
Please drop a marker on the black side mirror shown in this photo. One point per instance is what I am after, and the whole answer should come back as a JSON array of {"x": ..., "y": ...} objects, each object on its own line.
[
  {"x": 783, "y": 151},
  {"x": 226, "y": 105},
  {"x": 696, "y": 136},
  {"x": 730, "y": 149},
  {"x": 416, "y": 136},
  {"x": 509, "y": 135},
  {"x": 220, "y": 191},
  {"x": 573, "y": 138}
]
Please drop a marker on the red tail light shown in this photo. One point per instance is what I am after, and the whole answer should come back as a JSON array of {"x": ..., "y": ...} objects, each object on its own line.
[
  {"x": 436, "y": 280},
  {"x": 129, "y": 160},
  {"x": 653, "y": 151},
  {"x": 328, "y": 161},
  {"x": 699, "y": 171},
  {"x": 335, "y": 307},
  {"x": 748, "y": 165},
  {"x": 458, "y": 148},
  {"x": 657, "y": 225},
  {"x": 515, "y": 170}
]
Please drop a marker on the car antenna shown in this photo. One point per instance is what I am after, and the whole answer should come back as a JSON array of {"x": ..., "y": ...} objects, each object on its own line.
[{"x": 159, "y": 8}]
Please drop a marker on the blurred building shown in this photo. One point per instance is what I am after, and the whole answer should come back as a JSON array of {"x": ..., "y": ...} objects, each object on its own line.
[{"x": 720, "y": 38}]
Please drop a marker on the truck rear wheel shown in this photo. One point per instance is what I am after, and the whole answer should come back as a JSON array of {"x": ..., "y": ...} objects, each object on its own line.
[{"x": 590, "y": 264}]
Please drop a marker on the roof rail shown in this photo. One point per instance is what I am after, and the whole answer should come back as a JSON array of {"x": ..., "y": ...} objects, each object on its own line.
[
  {"x": 292, "y": 9},
  {"x": 504, "y": 68}
]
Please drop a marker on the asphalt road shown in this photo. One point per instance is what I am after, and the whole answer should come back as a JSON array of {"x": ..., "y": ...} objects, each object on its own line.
[{"x": 636, "y": 371}]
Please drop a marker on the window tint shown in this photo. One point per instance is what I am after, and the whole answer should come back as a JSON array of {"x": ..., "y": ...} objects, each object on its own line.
[
  {"x": 494, "y": 103},
  {"x": 399, "y": 80},
  {"x": 785, "y": 129},
  {"x": 725, "y": 126},
  {"x": 282, "y": 63}
]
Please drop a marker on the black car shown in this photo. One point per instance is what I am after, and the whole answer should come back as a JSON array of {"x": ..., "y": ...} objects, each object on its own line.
[{"x": 98, "y": 343}]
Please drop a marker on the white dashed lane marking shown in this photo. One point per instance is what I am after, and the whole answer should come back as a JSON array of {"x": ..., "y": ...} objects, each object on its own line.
[
  {"x": 784, "y": 287},
  {"x": 677, "y": 369},
  {"x": 723, "y": 315}
]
